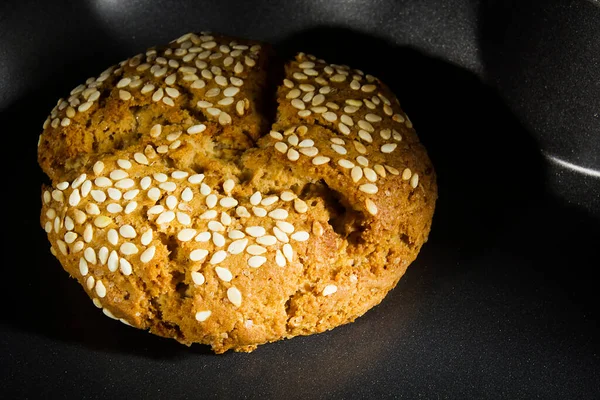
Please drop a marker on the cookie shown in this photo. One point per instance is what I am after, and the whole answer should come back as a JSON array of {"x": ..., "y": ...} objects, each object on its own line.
[{"x": 193, "y": 197}]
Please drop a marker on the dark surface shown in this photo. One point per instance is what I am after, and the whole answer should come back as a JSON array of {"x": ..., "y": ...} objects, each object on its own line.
[{"x": 500, "y": 303}]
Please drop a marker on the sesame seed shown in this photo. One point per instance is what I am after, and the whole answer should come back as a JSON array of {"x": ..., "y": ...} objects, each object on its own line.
[
  {"x": 300, "y": 236},
  {"x": 306, "y": 64},
  {"x": 195, "y": 179},
  {"x": 297, "y": 103},
  {"x": 396, "y": 135},
  {"x": 320, "y": 160},
  {"x": 79, "y": 216},
  {"x": 113, "y": 261},
  {"x": 84, "y": 106},
  {"x": 279, "y": 258},
  {"x": 369, "y": 104},
  {"x": 216, "y": 226},
  {"x": 343, "y": 128},
  {"x": 127, "y": 231},
  {"x": 62, "y": 246},
  {"x": 239, "y": 107},
  {"x": 355, "y": 85},
  {"x": 102, "y": 221},
  {"x": 90, "y": 255},
  {"x": 88, "y": 233},
  {"x": 62, "y": 185},
  {"x": 392, "y": 170},
  {"x": 125, "y": 183},
  {"x": 300, "y": 206},
  {"x": 65, "y": 122},
  {"x": 368, "y": 188},
  {"x": 124, "y": 95},
  {"x": 116, "y": 175},
  {"x": 202, "y": 316},
  {"x": 368, "y": 88},
  {"x": 288, "y": 252},
  {"x": 293, "y": 140},
  {"x": 100, "y": 289},
  {"x": 224, "y": 274},
  {"x": 370, "y": 175},
  {"x": 204, "y": 189},
  {"x": 278, "y": 213},
  {"x": 147, "y": 88},
  {"x": 92, "y": 209},
  {"x": 168, "y": 186},
  {"x": 148, "y": 254},
  {"x": 224, "y": 118},
  {"x": 385, "y": 134},
  {"x": 125, "y": 266},
  {"x": 330, "y": 116},
  {"x": 198, "y": 279},
  {"x": 366, "y": 136},
  {"x": 228, "y": 202},
  {"x": 345, "y": 163},
  {"x": 329, "y": 290},
  {"x": 218, "y": 257},
  {"x": 198, "y": 254},
  {"x": 103, "y": 255},
  {"x": 198, "y": 84},
  {"x": 347, "y": 120},
  {"x": 388, "y": 147},
  {"x": 114, "y": 208},
  {"x": 269, "y": 200},
  {"x": 130, "y": 207},
  {"x": 218, "y": 239},
  {"x": 203, "y": 237},
  {"x": 158, "y": 95},
  {"x": 74, "y": 198},
  {"x": 47, "y": 197},
  {"x": 338, "y": 149},
  {"x": 78, "y": 181},
  {"x": 211, "y": 200},
  {"x": 255, "y": 231},
  {"x": 114, "y": 194},
  {"x": 406, "y": 174},
  {"x": 90, "y": 282},
  {"x": 280, "y": 235},
  {"x": 319, "y": 110},
  {"x": 69, "y": 225},
  {"x": 234, "y": 296},
  {"x": 165, "y": 217},
  {"x": 350, "y": 109},
  {"x": 414, "y": 181},
  {"x": 157, "y": 209},
  {"x": 168, "y": 101},
  {"x": 380, "y": 170},
  {"x": 51, "y": 213},
  {"x": 308, "y": 97},
  {"x": 276, "y": 135},
  {"x": 338, "y": 78},
  {"x": 86, "y": 187},
  {"x": 70, "y": 237},
  {"x": 293, "y": 155},
  {"x": 113, "y": 237},
  {"x": 372, "y": 118},
  {"x": 256, "y": 261},
  {"x": 210, "y": 214}
]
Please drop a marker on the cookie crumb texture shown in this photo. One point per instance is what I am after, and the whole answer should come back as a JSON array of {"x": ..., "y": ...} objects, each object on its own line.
[{"x": 187, "y": 202}]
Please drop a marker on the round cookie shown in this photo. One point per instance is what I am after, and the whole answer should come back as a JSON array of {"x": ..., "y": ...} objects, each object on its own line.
[{"x": 181, "y": 208}]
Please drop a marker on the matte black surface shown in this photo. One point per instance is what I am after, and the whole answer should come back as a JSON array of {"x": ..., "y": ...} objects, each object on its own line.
[{"x": 501, "y": 303}]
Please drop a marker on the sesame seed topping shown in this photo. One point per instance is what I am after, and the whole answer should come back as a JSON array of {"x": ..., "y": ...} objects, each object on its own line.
[
  {"x": 330, "y": 116},
  {"x": 114, "y": 194},
  {"x": 300, "y": 206},
  {"x": 198, "y": 254},
  {"x": 202, "y": 316},
  {"x": 218, "y": 257},
  {"x": 102, "y": 221},
  {"x": 204, "y": 189},
  {"x": 388, "y": 147},
  {"x": 165, "y": 217},
  {"x": 299, "y": 104},
  {"x": 269, "y": 200},
  {"x": 125, "y": 266},
  {"x": 148, "y": 254},
  {"x": 293, "y": 155},
  {"x": 224, "y": 274},
  {"x": 338, "y": 149},
  {"x": 392, "y": 170},
  {"x": 346, "y": 163},
  {"x": 103, "y": 255},
  {"x": 192, "y": 130},
  {"x": 114, "y": 208},
  {"x": 368, "y": 188},
  {"x": 256, "y": 261},
  {"x": 320, "y": 160},
  {"x": 406, "y": 174},
  {"x": 329, "y": 290},
  {"x": 300, "y": 236},
  {"x": 70, "y": 237},
  {"x": 197, "y": 278},
  {"x": 158, "y": 95},
  {"x": 370, "y": 175},
  {"x": 100, "y": 289},
  {"x": 234, "y": 296},
  {"x": 255, "y": 231},
  {"x": 288, "y": 252},
  {"x": 216, "y": 226},
  {"x": 372, "y": 118},
  {"x": 195, "y": 179},
  {"x": 113, "y": 261},
  {"x": 414, "y": 181}
]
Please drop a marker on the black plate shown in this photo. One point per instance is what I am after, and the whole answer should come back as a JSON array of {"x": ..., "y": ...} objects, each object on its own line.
[{"x": 501, "y": 303}]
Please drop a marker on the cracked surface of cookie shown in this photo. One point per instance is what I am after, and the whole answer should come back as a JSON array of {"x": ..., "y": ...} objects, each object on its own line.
[{"x": 182, "y": 206}]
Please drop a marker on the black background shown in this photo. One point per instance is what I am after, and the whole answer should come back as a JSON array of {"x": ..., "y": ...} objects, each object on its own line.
[{"x": 501, "y": 303}]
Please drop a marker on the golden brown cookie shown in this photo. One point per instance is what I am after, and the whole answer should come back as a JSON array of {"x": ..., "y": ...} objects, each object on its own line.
[{"x": 180, "y": 209}]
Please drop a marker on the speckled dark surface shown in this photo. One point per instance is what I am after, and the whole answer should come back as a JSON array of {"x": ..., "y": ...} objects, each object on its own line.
[{"x": 501, "y": 302}]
